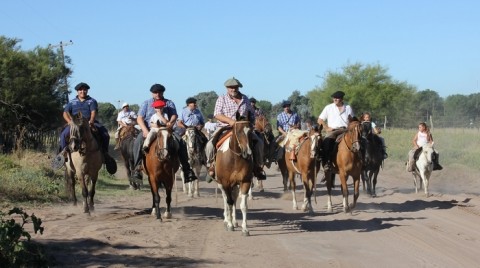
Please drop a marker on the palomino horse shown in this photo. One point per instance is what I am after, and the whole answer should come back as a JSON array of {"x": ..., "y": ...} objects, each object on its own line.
[
  {"x": 233, "y": 168},
  {"x": 373, "y": 158},
  {"x": 84, "y": 161},
  {"x": 127, "y": 137},
  {"x": 160, "y": 164},
  {"x": 346, "y": 162},
  {"x": 423, "y": 168},
  {"x": 302, "y": 156},
  {"x": 195, "y": 141},
  {"x": 263, "y": 129}
]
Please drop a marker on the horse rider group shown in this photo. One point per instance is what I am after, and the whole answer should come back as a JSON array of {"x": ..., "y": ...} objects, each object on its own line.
[{"x": 334, "y": 118}]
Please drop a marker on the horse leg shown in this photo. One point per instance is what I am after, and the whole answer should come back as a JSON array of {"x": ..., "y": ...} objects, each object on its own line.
[
  {"x": 168, "y": 199},
  {"x": 415, "y": 181},
  {"x": 196, "y": 183},
  {"x": 229, "y": 207},
  {"x": 183, "y": 182},
  {"x": 307, "y": 197},
  {"x": 343, "y": 181},
  {"x": 328, "y": 184},
  {"x": 235, "y": 192},
  {"x": 91, "y": 192},
  {"x": 244, "y": 209},
  {"x": 83, "y": 184},
  {"x": 356, "y": 191},
  {"x": 155, "y": 197},
  {"x": 70, "y": 185},
  {"x": 374, "y": 182},
  {"x": 291, "y": 178},
  {"x": 425, "y": 178},
  {"x": 225, "y": 205},
  {"x": 260, "y": 186}
]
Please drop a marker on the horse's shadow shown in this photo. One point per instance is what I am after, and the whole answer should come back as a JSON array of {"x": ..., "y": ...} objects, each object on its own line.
[{"x": 410, "y": 205}]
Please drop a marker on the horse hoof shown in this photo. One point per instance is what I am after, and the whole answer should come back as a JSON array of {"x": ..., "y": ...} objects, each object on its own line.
[
  {"x": 230, "y": 228},
  {"x": 167, "y": 215},
  {"x": 261, "y": 191},
  {"x": 245, "y": 233}
]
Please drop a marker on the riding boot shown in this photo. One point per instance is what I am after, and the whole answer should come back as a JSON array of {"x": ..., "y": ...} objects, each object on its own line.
[
  {"x": 436, "y": 164},
  {"x": 110, "y": 163},
  {"x": 259, "y": 173}
]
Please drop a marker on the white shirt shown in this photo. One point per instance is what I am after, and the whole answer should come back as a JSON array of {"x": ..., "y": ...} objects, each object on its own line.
[
  {"x": 210, "y": 127},
  {"x": 126, "y": 117},
  {"x": 334, "y": 118},
  {"x": 422, "y": 139},
  {"x": 155, "y": 117}
]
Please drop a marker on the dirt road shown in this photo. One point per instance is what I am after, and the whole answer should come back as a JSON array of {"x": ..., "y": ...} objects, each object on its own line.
[{"x": 396, "y": 229}]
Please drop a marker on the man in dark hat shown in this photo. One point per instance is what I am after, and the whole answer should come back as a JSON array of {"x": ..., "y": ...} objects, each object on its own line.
[
  {"x": 143, "y": 119},
  {"x": 89, "y": 108},
  {"x": 226, "y": 108},
  {"x": 191, "y": 115},
  {"x": 334, "y": 118},
  {"x": 287, "y": 119},
  {"x": 258, "y": 110}
]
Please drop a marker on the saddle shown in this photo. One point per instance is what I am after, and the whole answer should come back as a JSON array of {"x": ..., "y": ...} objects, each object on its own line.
[{"x": 220, "y": 136}]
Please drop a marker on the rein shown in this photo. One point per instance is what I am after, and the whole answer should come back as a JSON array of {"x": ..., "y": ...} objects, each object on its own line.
[{"x": 234, "y": 134}]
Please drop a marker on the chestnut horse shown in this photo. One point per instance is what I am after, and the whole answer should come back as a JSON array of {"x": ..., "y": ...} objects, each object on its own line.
[
  {"x": 84, "y": 161},
  {"x": 160, "y": 164},
  {"x": 347, "y": 162},
  {"x": 302, "y": 156},
  {"x": 233, "y": 168},
  {"x": 127, "y": 137}
]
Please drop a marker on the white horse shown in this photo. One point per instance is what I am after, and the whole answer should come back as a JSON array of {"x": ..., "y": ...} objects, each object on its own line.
[
  {"x": 423, "y": 168},
  {"x": 196, "y": 154}
]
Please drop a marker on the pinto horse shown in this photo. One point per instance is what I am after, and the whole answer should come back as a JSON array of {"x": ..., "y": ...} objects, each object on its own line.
[
  {"x": 127, "y": 136},
  {"x": 346, "y": 162},
  {"x": 160, "y": 164},
  {"x": 373, "y": 158},
  {"x": 302, "y": 156},
  {"x": 84, "y": 161},
  {"x": 423, "y": 168},
  {"x": 233, "y": 168},
  {"x": 195, "y": 141}
]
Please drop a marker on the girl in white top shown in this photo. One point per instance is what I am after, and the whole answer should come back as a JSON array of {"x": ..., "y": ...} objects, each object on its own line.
[
  {"x": 158, "y": 120},
  {"x": 422, "y": 137}
]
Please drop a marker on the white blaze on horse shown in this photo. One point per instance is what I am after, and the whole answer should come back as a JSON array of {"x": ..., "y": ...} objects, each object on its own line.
[
  {"x": 84, "y": 161},
  {"x": 423, "y": 168},
  {"x": 233, "y": 169}
]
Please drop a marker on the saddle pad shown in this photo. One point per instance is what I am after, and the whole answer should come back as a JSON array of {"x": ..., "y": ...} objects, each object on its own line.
[{"x": 223, "y": 139}]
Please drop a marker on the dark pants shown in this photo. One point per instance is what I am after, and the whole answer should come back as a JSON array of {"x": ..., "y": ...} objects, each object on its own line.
[
  {"x": 104, "y": 137},
  {"x": 329, "y": 143},
  {"x": 182, "y": 151}
]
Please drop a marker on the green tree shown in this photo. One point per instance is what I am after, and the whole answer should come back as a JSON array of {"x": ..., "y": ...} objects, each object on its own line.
[
  {"x": 206, "y": 102},
  {"x": 107, "y": 115},
  {"x": 31, "y": 93},
  {"x": 367, "y": 88}
]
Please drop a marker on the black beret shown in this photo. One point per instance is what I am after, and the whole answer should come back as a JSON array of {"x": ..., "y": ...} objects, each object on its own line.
[
  {"x": 338, "y": 95},
  {"x": 286, "y": 103},
  {"x": 82, "y": 85},
  {"x": 157, "y": 88},
  {"x": 252, "y": 99},
  {"x": 191, "y": 100}
]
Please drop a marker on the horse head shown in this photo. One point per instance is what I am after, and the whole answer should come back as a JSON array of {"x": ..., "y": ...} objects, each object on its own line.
[
  {"x": 315, "y": 134},
  {"x": 79, "y": 132},
  {"x": 164, "y": 143},
  {"x": 353, "y": 135},
  {"x": 427, "y": 153},
  {"x": 240, "y": 141}
]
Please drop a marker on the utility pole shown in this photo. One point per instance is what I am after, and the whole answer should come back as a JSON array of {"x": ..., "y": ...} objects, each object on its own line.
[{"x": 61, "y": 45}]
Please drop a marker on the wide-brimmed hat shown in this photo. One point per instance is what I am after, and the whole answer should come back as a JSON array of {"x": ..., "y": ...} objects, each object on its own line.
[
  {"x": 157, "y": 88},
  {"x": 82, "y": 85},
  {"x": 286, "y": 103},
  {"x": 338, "y": 95},
  {"x": 233, "y": 82},
  {"x": 125, "y": 105},
  {"x": 158, "y": 104},
  {"x": 191, "y": 100}
]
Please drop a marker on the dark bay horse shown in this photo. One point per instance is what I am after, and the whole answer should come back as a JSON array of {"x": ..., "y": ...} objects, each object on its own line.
[
  {"x": 347, "y": 162},
  {"x": 195, "y": 141},
  {"x": 160, "y": 164},
  {"x": 127, "y": 137},
  {"x": 233, "y": 168},
  {"x": 373, "y": 158},
  {"x": 302, "y": 156},
  {"x": 263, "y": 129},
  {"x": 84, "y": 161}
]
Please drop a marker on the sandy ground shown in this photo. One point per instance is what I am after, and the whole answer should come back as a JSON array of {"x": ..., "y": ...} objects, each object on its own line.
[{"x": 398, "y": 228}]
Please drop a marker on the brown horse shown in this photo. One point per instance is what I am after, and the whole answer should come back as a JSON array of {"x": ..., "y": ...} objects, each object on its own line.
[
  {"x": 233, "y": 168},
  {"x": 160, "y": 164},
  {"x": 347, "y": 162},
  {"x": 302, "y": 156},
  {"x": 84, "y": 161},
  {"x": 127, "y": 137},
  {"x": 263, "y": 129}
]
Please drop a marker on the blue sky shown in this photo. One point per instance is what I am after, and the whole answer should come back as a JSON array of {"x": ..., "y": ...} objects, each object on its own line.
[{"x": 120, "y": 48}]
